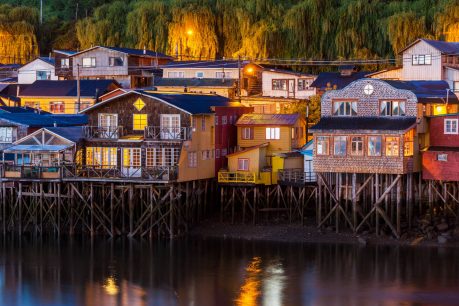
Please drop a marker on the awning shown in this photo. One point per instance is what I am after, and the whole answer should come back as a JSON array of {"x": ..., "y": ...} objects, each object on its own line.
[{"x": 36, "y": 148}]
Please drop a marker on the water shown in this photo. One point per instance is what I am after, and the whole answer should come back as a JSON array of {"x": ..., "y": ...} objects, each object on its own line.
[{"x": 199, "y": 272}]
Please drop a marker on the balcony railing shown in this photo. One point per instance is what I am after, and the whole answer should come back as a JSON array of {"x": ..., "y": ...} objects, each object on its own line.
[
  {"x": 103, "y": 132},
  {"x": 296, "y": 176},
  {"x": 30, "y": 171},
  {"x": 167, "y": 133},
  {"x": 237, "y": 177}
]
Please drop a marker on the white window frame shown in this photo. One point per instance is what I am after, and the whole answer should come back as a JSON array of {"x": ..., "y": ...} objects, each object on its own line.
[
  {"x": 353, "y": 107},
  {"x": 451, "y": 131},
  {"x": 6, "y": 134},
  {"x": 421, "y": 59},
  {"x": 65, "y": 62},
  {"x": 273, "y": 133},
  {"x": 246, "y": 133},
  {"x": 243, "y": 164},
  {"x": 192, "y": 160},
  {"x": 92, "y": 61}
]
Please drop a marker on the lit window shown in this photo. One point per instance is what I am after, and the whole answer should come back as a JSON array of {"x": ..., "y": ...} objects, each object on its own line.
[
  {"x": 408, "y": 140},
  {"x": 392, "y": 146},
  {"x": 279, "y": 84},
  {"x": 339, "y": 145},
  {"x": 451, "y": 126},
  {"x": 115, "y": 61},
  {"x": 422, "y": 59},
  {"x": 392, "y": 108},
  {"x": 102, "y": 157},
  {"x": 357, "y": 146},
  {"x": 139, "y": 104},
  {"x": 273, "y": 133},
  {"x": 344, "y": 108},
  {"x": 374, "y": 146},
  {"x": 56, "y": 107},
  {"x": 247, "y": 133},
  {"x": 192, "y": 159},
  {"x": 140, "y": 122},
  {"x": 89, "y": 62},
  {"x": 243, "y": 164},
  {"x": 323, "y": 144}
]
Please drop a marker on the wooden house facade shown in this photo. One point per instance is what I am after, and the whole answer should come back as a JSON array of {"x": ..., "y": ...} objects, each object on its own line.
[
  {"x": 152, "y": 136},
  {"x": 287, "y": 84},
  {"x": 441, "y": 160},
  {"x": 63, "y": 64},
  {"x": 41, "y": 68}
]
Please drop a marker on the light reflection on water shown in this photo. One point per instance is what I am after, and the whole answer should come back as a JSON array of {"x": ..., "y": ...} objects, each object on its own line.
[{"x": 197, "y": 272}]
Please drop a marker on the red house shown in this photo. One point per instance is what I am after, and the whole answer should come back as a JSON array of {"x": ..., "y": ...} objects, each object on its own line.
[
  {"x": 441, "y": 160},
  {"x": 226, "y": 133}
]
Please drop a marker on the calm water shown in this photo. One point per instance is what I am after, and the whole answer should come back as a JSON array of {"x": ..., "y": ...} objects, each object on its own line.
[{"x": 224, "y": 272}]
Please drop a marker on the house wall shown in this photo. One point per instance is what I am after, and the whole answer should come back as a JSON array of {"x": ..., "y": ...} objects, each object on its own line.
[
  {"x": 27, "y": 74},
  {"x": 269, "y": 76},
  {"x": 63, "y": 73},
  {"x": 437, "y": 132},
  {"x": 69, "y": 103},
  {"x": 19, "y": 131},
  {"x": 434, "y": 169},
  {"x": 392, "y": 74},
  {"x": 209, "y": 73},
  {"x": 451, "y": 76},
  {"x": 422, "y": 72}
]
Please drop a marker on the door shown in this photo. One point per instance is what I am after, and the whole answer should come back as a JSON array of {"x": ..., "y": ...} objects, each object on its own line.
[
  {"x": 131, "y": 162},
  {"x": 170, "y": 126},
  {"x": 291, "y": 88},
  {"x": 108, "y": 125}
]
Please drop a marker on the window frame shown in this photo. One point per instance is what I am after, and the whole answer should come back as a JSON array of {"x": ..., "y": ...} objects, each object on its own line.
[
  {"x": 136, "y": 127},
  {"x": 445, "y": 124},
  {"x": 92, "y": 59},
  {"x": 112, "y": 61},
  {"x": 380, "y": 145},
  {"x": 245, "y": 164},
  {"x": 417, "y": 62},
  {"x": 65, "y": 62},
  {"x": 197, "y": 74},
  {"x": 335, "y": 145},
  {"x": 275, "y": 86},
  {"x": 323, "y": 141},
  {"x": 352, "y": 103},
  {"x": 192, "y": 159},
  {"x": 60, "y": 107},
  {"x": 391, "y": 102},
  {"x": 302, "y": 80},
  {"x": 274, "y": 133},
  {"x": 387, "y": 143},
  {"x": 360, "y": 152},
  {"x": 176, "y": 74},
  {"x": 244, "y": 133}
]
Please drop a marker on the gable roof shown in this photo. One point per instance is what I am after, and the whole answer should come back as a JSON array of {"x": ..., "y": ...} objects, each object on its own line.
[
  {"x": 383, "y": 71},
  {"x": 268, "y": 119},
  {"x": 45, "y": 59},
  {"x": 364, "y": 123},
  {"x": 44, "y": 120},
  {"x": 194, "y": 82},
  {"x": 215, "y": 64},
  {"x": 187, "y": 102},
  {"x": 19, "y": 109},
  {"x": 129, "y": 51},
  {"x": 68, "y": 88},
  {"x": 288, "y": 72},
  {"x": 427, "y": 91},
  {"x": 262, "y": 145},
  {"x": 442, "y": 46},
  {"x": 336, "y": 78}
]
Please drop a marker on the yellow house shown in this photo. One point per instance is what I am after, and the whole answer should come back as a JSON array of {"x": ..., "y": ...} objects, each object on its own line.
[
  {"x": 61, "y": 97},
  {"x": 263, "y": 140}
]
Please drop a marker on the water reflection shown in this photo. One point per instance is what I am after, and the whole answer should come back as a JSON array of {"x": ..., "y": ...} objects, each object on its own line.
[{"x": 223, "y": 272}]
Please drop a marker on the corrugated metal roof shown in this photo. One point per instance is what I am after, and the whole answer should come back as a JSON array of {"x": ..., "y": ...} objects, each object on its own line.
[
  {"x": 336, "y": 79},
  {"x": 68, "y": 88},
  {"x": 65, "y": 52},
  {"x": 268, "y": 119},
  {"x": 364, "y": 123},
  {"x": 36, "y": 148},
  {"x": 195, "y": 82},
  {"x": 49, "y": 60},
  {"x": 44, "y": 120},
  {"x": 427, "y": 91}
]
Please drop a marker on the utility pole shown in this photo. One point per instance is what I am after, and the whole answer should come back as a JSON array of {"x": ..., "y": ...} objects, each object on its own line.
[
  {"x": 307, "y": 122},
  {"x": 41, "y": 11},
  {"x": 78, "y": 88},
  {"x": 239, "y": 76}
]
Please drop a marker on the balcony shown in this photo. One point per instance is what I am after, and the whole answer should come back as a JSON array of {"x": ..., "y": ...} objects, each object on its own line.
[
  {"x": 296, "y": 176},
  {"x": 103, "y": 132},
  {"x": 226, "y": 177},
  {"x": 157, "y": 173},
  {"x": 167, "y": 133},
  {"x": 30, "y": 171}
]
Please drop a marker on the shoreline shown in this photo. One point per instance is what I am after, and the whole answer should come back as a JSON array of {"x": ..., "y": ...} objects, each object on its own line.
[{"x": 297, "y": 233}]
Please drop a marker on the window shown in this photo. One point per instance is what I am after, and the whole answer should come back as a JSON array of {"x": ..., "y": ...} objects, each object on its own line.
[
  {"x": 43, "y": 75},
  {"x": 57, "y": 107},
  {"x": 205, "y": 154},
  {"x": 140, "y": 122},
  {"x": 200, "y": 74},
  {"x": 6, "y": 134},
  {"x": 442, "y": 157},
  {"x": 279, "y": 85},
  {"x": 224, "y": 152},
  {"x": 422, "y": 59},
  {"x": 115, "y": 61},
  {"x": 217, "y": 153},
  {"x": 339, "y": 145},
  {"x": 456, "y": 86},
  {"x": 192, "y": 159},
  {"x": 242, "y": 164},
  {"x": 89, "y": 62},
  {"x": 392, "y": 108},
  {"x": 102, "y": 157},
  {"x": 161, "y": 157},
  {"x": 323, "y": 145},
  {"x": 273, "y": 133},
  {"x": 344, "y": 108},
  {"x": 392, "y": 146},
  {"x": 303, "y": 84},
  {"x": 357, "y": 146},
  {"x": 450, "y": 126},
  {"x": 203, "y": 123},
  {"x": 176, "y": 74},
  {"x": 194, "y": 123},
  {"x": 216, "y": 120},
  {"x": 223, "y": 75},
  {"x": 247, "y": 133},
  {"x": 65, "y": 63},
  {"x": 408, "y": 143},
  {"x": 374, "y": 146},
  {"x": 224, "y": 120}
]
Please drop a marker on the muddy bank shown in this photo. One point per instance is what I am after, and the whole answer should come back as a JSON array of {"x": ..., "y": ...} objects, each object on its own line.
[{"x": 310, "y": 234}]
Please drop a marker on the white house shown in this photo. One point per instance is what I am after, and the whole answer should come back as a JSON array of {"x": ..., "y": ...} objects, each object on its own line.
[
  {"x": 41, "y": 68},
  {"x": 287, "y": 84}
]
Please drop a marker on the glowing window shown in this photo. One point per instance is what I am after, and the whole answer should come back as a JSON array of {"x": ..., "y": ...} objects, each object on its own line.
[{"x": 140, "y": 122}]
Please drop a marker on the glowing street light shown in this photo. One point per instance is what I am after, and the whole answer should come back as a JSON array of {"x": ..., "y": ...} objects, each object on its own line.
[{"x": 189, "y": 32}]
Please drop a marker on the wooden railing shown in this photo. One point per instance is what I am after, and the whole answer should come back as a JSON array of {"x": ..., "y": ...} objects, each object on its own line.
[
  {"x": 296, "y": 176},
  {"x": 30, "y": 171},
  {"x": 237, "y": 177},
  {"x": 103, "y": 132},
  {"x": 167, "y": 133}
]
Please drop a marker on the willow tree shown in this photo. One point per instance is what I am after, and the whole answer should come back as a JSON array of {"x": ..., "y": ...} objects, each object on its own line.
[
  {"x": 404, "y": 28},
  {"x": 147, "y": 25},
  {"x": 18, "y": 41},
  {"x": 192, "y": 33},
  {"x": 447, "y": 21}
]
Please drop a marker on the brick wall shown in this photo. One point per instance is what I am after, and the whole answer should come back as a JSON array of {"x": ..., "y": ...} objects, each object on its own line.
[{"x": 433, "y": 169}]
